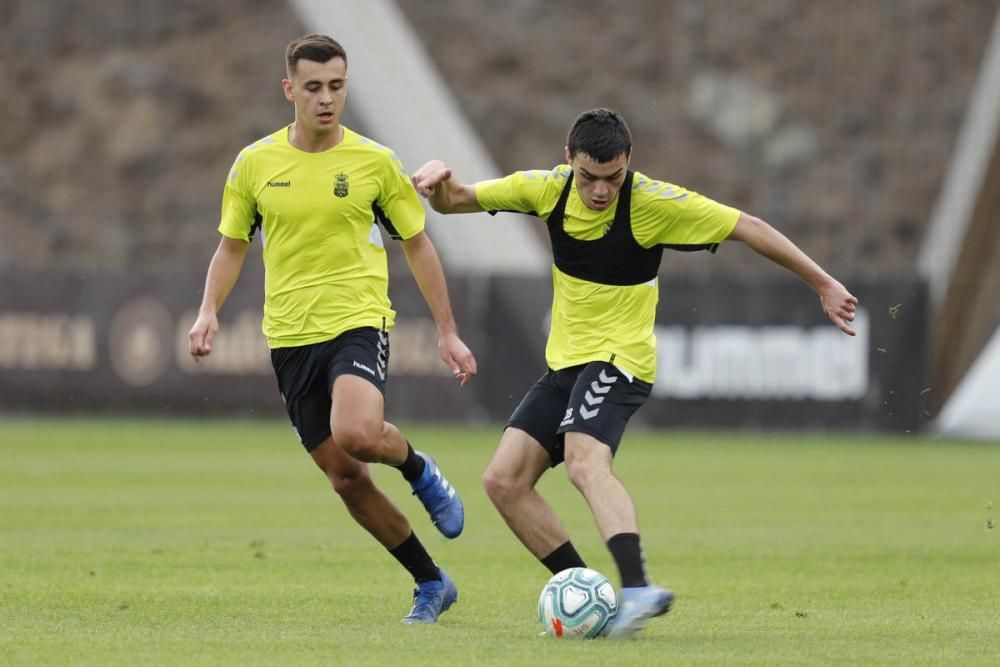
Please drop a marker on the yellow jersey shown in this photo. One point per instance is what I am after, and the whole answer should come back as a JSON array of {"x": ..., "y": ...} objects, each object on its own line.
[
  {"x": 318, "y": 215},
  {"x": 608, "y": 321}
]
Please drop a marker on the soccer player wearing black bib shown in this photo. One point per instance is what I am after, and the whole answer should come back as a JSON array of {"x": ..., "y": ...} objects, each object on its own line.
[
  {"x": 316, "y": 192},
  {"x": 608, "y": 226}
]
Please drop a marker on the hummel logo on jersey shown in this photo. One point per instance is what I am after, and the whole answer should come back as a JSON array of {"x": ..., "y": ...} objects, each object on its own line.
[
  {"x": 595, "y": 395},
  {"x": 568, "y": 418},
  {"x": 279, "y": 184},
  {"x": 364, "y": 368}
]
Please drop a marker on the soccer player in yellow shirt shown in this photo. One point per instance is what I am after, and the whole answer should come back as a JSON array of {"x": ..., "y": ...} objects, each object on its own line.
[
  {"x": 608, "y": 226},
  {"x": 317, "y": 191}
]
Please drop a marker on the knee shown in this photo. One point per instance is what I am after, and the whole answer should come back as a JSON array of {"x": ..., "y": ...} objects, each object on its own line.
[
  {"x": 359, "y": 440},
  {"x": 351, "y": 485},
  {"x": 499, "y": 486},
  {"x": 582, "y": 472}
]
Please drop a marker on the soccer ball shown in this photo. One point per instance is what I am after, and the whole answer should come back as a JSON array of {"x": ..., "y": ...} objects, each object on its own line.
[{"x": 578, "y": 603}]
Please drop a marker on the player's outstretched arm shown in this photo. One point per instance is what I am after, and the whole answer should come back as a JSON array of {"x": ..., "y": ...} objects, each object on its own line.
[
  {"x": 426, "y": 268},
  {"x": 838, "y": 304},
  {"x": 223, "y": 271},
  {"x": 434, "y": 181}
]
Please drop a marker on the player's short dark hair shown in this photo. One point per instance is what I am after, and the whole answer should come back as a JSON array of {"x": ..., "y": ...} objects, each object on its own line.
[
  {"x": 600, "y": 133},
  {"x": 318, "y": 48}
]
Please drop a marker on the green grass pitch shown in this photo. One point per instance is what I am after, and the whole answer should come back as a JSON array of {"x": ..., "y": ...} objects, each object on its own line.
[{"x": 218, "y": 543}]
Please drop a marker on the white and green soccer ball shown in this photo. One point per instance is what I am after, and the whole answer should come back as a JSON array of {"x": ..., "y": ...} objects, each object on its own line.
[{"x": 578, "y": 603}]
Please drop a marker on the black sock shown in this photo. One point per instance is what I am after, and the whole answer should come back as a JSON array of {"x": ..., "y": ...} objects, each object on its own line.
[
  {"x": 627, "y": 553},
  {"x": 563, "y": 558},
  {"x": 412, "y": 555},
  {"x": 413, "y": 467}
]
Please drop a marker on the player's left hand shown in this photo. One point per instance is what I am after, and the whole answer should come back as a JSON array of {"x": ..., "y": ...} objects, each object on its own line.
[
  {"x": 201, "y": 336},
  {"x": 839, "y": 305},
  {"x": 458, "y": 357}
]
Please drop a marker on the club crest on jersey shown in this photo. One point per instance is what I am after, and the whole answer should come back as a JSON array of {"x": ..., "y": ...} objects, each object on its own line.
[{"x": 340, "y": 185}]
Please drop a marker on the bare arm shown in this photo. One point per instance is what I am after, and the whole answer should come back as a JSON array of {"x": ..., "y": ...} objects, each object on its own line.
[
  {"x": 838, "y": 304},
  {"x": 223, "y": 272},
  {"x": 446, "y": 195},
  {"x": 427, "y": 271}
]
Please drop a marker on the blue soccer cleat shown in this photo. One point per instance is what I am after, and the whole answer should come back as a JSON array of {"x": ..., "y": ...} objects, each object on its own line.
[
  {"x": 431, "y": 599},
  {"x": 440, "y": 499},
  {"x": 638, "y": 605}
]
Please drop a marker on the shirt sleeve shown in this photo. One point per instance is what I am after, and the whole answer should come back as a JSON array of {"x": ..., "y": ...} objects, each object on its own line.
[
  {"x": 398, "y": 206},
  {"x": 520, "y": 192},
  {"x": 671, "y": 215},
  {"x": 239, "y": 207}
]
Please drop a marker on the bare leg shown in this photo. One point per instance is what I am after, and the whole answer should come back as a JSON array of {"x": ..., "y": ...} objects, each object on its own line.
[
  {"x": 361, "y": 436},
  {"x": 510, "y": 481},
  {"x": 357, "y": 420},
  {"x": 366, "y": 503},
  {"x": 588, "y": 464},
  {"x": 359, "y": 428}
]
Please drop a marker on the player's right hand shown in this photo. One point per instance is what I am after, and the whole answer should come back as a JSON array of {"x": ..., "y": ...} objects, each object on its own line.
[
  {"x": 201, "y": 336},
  {"x": 427, "y": 178}
]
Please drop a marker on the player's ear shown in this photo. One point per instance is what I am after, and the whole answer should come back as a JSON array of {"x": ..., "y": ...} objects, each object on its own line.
[
  {"x": 568, "y": 157},
  {"x": 286, "y": 86}
]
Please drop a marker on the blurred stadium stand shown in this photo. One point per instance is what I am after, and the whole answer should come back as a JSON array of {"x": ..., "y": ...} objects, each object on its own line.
[
  {"x": 837, "y": 123},
  {"x": 122, "y": 117}
]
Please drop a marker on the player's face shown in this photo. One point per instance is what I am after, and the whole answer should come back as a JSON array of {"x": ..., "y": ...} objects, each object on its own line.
[
  {"x": 598, "y": 182},
  {"x": 318, "y": 91}
]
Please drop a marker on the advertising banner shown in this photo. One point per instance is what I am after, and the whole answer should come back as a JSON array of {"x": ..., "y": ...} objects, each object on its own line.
[
  {"x": 755, "y": 354},
  {"x": 731, "y": 354}
]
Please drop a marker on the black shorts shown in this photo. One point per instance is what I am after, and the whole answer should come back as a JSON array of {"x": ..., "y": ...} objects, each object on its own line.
[
  {"x": 306, "y": 374},
  {"x": 595, "y": 398}
]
